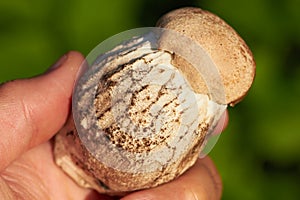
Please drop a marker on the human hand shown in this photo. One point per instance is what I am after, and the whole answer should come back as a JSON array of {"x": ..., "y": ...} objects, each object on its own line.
[{"x": 32, "y": 111}]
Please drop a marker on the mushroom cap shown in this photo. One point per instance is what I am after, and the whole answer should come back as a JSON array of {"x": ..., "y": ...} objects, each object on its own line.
[{"x": 222, "y": 43}]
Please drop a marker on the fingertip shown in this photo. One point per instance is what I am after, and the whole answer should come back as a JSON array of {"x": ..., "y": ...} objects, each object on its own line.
[
  {"x": 141, "y": 195},
  {"x": 226, "y": 118},
  {"x": 211, "y": 177},
  {"x": 222, "y": 123},
  {"x": 71, "y": 61},
  {"x": 63, "y": 75},
  {"x": 76, "y": 57}
]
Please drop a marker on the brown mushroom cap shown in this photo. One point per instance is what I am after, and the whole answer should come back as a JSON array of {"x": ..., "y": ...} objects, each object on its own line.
[{"x": 226, "y": 48}]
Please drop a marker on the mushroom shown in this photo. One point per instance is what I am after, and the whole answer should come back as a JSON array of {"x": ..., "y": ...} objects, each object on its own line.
[{"x": 142, "y": 115}]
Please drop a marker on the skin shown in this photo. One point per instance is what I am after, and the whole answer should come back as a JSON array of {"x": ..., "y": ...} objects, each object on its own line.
[{"x": 33, "y": 110}]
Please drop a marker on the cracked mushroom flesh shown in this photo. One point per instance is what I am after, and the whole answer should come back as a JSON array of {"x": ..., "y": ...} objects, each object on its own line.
[{"x": 141, "y": 115}]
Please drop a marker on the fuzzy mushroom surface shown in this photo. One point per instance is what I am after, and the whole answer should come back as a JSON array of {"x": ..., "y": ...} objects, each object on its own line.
[{"x": 143, "y": 111}]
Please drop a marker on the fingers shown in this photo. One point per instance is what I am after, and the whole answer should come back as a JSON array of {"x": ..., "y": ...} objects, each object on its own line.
[
  {"x": 202, "y": 181},
  {"x": 36, "y": 176},
  {"x": 222, "y": 124},
  {"x": 33, "y": 110}
]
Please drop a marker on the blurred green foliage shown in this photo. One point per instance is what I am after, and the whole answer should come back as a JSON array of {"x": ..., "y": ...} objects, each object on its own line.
[{"x": 258, "y": 155}]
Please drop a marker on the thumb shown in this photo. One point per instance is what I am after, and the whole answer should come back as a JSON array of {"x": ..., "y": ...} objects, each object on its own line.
[{"x": 33, "y": 110}]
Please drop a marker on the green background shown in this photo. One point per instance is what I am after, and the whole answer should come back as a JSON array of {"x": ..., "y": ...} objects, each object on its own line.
[{"x": 258, "y": 155}]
